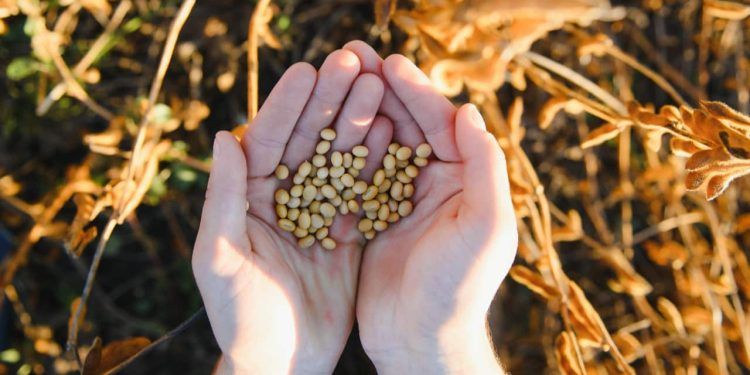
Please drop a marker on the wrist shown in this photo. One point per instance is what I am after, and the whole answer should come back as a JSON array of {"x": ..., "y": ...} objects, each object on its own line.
[
  {"x": 227, "y": 366},
  {"x": 452, "y": 349}
]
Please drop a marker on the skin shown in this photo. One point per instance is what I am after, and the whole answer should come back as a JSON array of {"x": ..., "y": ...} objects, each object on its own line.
[{"x": 425, "y": 284}]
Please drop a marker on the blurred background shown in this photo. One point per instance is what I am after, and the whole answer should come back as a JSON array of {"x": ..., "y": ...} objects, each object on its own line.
[{"x": 623, "y": 124}]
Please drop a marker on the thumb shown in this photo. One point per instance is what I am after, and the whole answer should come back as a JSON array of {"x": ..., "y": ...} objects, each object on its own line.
[
  {"x": 485, "y": 178},
  {"x": 223, "y": 228}
]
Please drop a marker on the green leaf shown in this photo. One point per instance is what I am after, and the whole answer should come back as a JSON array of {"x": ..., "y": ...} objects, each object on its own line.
[{"x": 20, "y": 68}]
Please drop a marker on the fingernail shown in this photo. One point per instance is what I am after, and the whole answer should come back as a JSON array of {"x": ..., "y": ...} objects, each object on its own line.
[
  {"x": 217, "y": 147},
  {"x": 476, "y": 117}
]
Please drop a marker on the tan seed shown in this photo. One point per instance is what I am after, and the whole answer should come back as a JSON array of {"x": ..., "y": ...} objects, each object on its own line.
[
  {"x": 337, "y": 184},
  {"x": 389, "y": 162},
  {"x": 378, "y": 177},
  {"x": 296, "y": 190},
  {"x": 408, "y": 190},
  {"x": 328, "y": 191},
  {"x": 393, "y": 147},
  {"x": 372, "y": 215},
  {"x": 411, "y": 171},
  {"x": 337, "y": 172},
  {"x": 354, "y": 172},
  {"x": 382, "y": 198},
  {"x": 309, "y": 192},
  {"x": 393, "y": 217},
  {"x": 397, "y": 190},
  {"x": 401, "y": 164},
  {"x": 286, "y": 225},
  {"x": 281, "y": 196},
  {"x": 370, "y": 193},
  {"x": 306, "y": 241},
  {"x": 344, "y": 209},
  {"x": 390, "y": 173},
  {"x": 304, "y": 220},
  {"x": 348, "y": 159},
  {"x": 304, "y": 169},
  {"x": 305, "y": 202},
  {"x": 364, "y": 225},
  {"x": 323, "y": 147},
  {"x": 327, "y": 210},
  {"x": 298, "y": 179},
  {"x": 392, "y": 205},
  {"x": 293, "y": 214},
  {"x": 328, "y": 134},
  {"x": 353, "y": 206},
  {"x": 405, "y": 208},
  {"x": 424, "y": 151},
  {"x": 328, "y": 243},
  {"x": 348, "y": 194},
  {"x": 403, "y": 153},
  {"x": 420, "y": 162},
  {"x": 281, "y": 211},
  {"x": 359, "y": 163},
  {"x": 359, "y": 187},
  {"x": 347, "y": 180},
  {"x": 315, "y": 207},
  {"x": 337, "y": 159},
  {"x": 299, "y": 232},
  {"x": 318, "y": 181},
  {"x": 380, "y": 225},
  {"x": 281, "y": 172},
  {"x": 321, "y": 233},
  {"x": 294, "y": 202},
  {"x": 329, "y": 221},
  {"x": 371, "y": 205},
  {"x": 360, "y": 151},
  {"x": 316, "y": 221},
  {"x": 403, "y": 177},
  {"x": 370, "y": 235},
  {"x": 385, "y": 186},
  {"x": 319, "y": 161},
  {"x": 383, "y": 212},
  {"x": 337, "y": 201},
  {"x": 322, "y": 173}
]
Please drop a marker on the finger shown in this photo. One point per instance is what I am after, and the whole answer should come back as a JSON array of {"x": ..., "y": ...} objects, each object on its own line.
[
  {"x": 433, "y": 112},
  {"x": 358, "y": 112},
  {"x": 265, "y": 139},
  {"x": 335, "y": 79},
  {"x": 406, "y": 131},
  {"x": 486, "y": 190},
  {"x": 377, "y": 141},
  {"x": 222, "y": 226}
]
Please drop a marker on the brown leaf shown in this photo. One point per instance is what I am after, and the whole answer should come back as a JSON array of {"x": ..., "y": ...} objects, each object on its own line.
[
  {"x": 567, "y": 361},
  {"x": 584, "y": 317},
  {"x": 550, "y": 109},
  {"x": 670, "y": 254},
  {"x": 717, "y": 185},
  {"x": 93, "y": 358},
  {"x": 703, "y": 158},
  {"x": 112, "y": 354},
  {"x": 725, "y": 112},
  {"x": 729, "y": 10},
  {"x": 628, "y": 345},
  {"x": 600, "y": 135},
  {"x": 694, "y": 180},
  {"x": 534, "y": 281}
]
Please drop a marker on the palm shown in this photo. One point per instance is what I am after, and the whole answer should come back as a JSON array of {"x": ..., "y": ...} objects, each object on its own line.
[{"x": 268, "y": 300}]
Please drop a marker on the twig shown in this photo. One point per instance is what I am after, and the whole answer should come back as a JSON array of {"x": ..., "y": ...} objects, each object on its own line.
[
  {"x": 168, "y": 336},
  {"x": 252, "y": 58},
  {"x": 667, "y": 225},
  {"x": 577, "y": 79}
]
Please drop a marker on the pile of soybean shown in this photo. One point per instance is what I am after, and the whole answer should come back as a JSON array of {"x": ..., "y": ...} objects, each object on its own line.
[{"x": 329, "y": 184}]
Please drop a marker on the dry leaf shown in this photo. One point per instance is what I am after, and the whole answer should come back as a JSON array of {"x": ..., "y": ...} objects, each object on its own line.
[
  {"x": 567, "y": 361},
  {"x": 600, "y": 135},
  {"x": 534, "y": 281},
  {"x": 114, "y": 353}
]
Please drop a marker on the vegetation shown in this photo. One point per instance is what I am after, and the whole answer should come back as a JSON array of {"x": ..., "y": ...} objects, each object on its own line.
[{"x": 625, "y": 128}]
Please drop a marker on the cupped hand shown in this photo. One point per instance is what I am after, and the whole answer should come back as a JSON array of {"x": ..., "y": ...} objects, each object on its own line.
[
  {"x": 273, "y": 307},
  {"x": 427, "y": 282}
]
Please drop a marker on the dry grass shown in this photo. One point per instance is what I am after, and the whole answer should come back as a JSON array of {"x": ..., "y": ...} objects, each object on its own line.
[{"x": 626, "y": 165}]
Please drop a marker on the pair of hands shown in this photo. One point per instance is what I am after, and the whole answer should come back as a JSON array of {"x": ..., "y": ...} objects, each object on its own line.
[{"x": 420, "y": 290}]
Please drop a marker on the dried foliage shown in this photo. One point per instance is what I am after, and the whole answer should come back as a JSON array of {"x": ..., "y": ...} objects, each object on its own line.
[{"x": 626, "y": 165}]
